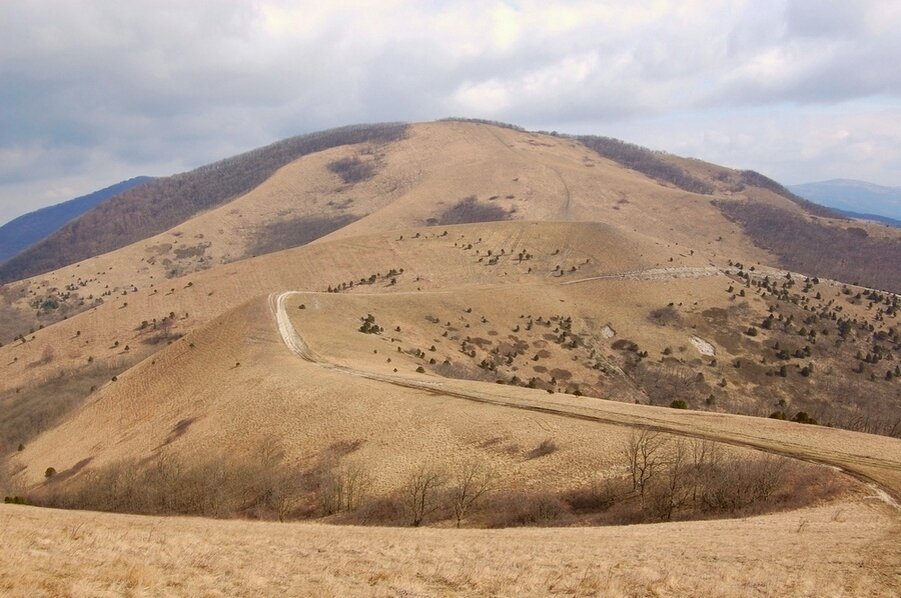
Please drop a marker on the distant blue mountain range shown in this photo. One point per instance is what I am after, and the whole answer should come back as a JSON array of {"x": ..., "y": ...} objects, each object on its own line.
[
  {"x": 857, "y": 199},
  {"x": 26, "y": 230},
  {"x": 874, "y": 217}
]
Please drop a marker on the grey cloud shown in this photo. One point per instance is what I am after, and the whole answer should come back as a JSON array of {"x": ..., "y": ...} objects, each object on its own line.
[
  {"x": 809, "y": 51},
  {"x": 826, "y": 18}
]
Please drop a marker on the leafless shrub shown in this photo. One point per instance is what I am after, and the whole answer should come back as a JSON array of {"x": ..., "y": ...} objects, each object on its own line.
[
  {"x": 680, "y": 478},
  {"x": 344, "y": 488},
  {"x": 334, "y": 485},
  {"x": 513, "y": 509},
  {"x": 691, "y": 468},
  {"x": 469, "y": 210},
  {"x": 667, "y": 382},
  {"x": 873, "y": 418},
  {"x": 672, "y": 492},
  {"x": 596, "y": 497},
  {"x": 743, "y": 483},
  {"x": 378, "y": 510},
  {"x": 545, "y": 447},
  {"x": 705, "y": 458},
  {"x": 211, "y": 484},
  {"x": 664, "y": 315},
  {"x": 352, "y": 170}
]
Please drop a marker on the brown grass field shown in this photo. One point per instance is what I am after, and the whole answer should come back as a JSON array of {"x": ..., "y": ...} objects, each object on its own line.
[
  {"x": 847, "y": 546},
  {"x": 605, "y": 296},
  {"x": 848, "y": 549}
]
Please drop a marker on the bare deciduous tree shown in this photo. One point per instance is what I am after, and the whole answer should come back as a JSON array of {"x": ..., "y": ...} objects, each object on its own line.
[
  {"x": 343, "y": 488},
  {"x": 672, "y": 494},
  {"x": 357, "y": 482},
  {"x": 421, "y": 496},
  {"x": 470, "y": 482},
  {"x": 705, "y": 458},
  {"x": 643, "y": 455}
]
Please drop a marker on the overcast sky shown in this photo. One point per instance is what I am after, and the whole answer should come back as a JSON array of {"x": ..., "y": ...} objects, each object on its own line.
[{"x": 93, "y": 92}]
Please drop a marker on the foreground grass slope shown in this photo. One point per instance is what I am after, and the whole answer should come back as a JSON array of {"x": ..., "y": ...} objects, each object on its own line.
[{"x": 847, "y": 550}]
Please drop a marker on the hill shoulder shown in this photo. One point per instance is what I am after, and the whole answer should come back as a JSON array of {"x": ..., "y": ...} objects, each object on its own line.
[
  {"x": 26, "y": 230},
  {"x": 166, "y": 202}
]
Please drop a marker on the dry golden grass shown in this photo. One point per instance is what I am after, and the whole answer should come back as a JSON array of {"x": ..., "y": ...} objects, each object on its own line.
[
  {"x": 272, "y": 394},
  {"x": 326, "y": 321},
  {"x": 198, "y": 378},
  {"x": 231, "y": 385},
  {"x": 429, "y": 261},
  {"x": 837, "y": 550},
  {"x": 238, "y": 385},
  {"x": 419, "y": 178},
  {"x": 846, "y": 548}
]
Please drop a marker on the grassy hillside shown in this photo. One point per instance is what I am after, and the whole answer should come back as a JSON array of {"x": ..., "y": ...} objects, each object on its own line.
[
  {"x": 213, "y": 393},
  {"x": 553, "y": 319},
  {"x": 166, "y": 202},
  {"x": 605, "y": 347},
  {"x": 847, "y": 253},
  {"x": 445, "y": 172},
  {"x": 439, "y": 173},
  {"x": 649, "y": 353}
]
